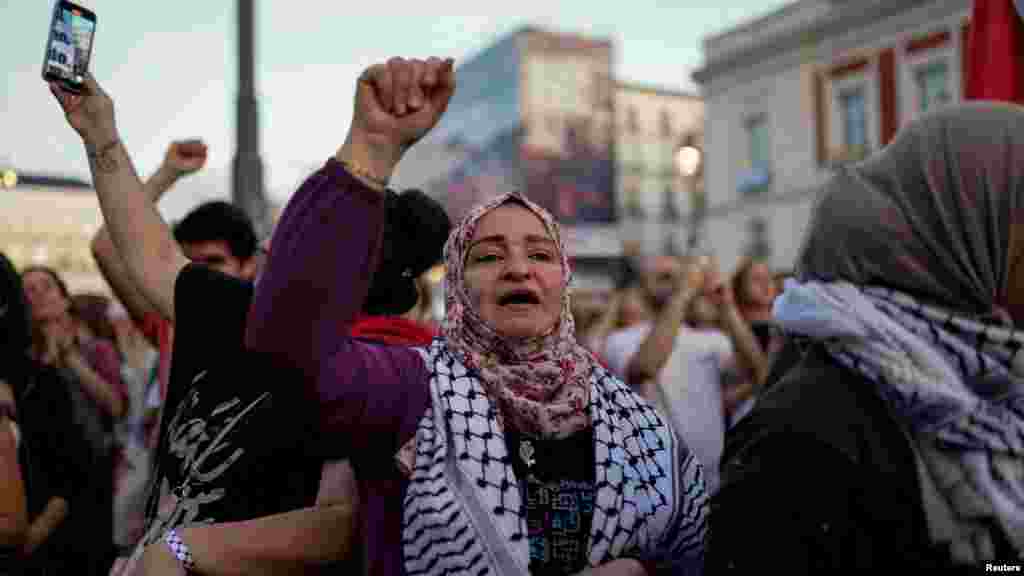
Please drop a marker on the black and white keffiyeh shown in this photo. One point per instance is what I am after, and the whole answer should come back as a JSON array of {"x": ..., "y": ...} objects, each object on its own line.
[
  {"x": 463, "y": 512},
  {"x": 955, "y": 385}
]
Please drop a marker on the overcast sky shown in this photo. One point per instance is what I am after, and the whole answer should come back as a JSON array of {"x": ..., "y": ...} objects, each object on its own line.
[{"x": 170, "y": 68}]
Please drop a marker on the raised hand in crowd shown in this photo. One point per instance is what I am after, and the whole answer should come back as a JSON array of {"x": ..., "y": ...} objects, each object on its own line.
[
  {"x": 694, "y": 278},
  {"x": 396, "y": 103},
  {"x": 151, "y": 256},
  {"x": 182, "y": 158},
  {"x": 596, "y": 325},
  {"x": 90, "y": 113},
  {"x": 185, "y": 157},
  {"x": 282, "y": 527},
  {"x": 688, "y": 280},
  {"x": 752, "y": 364},
  {"x": 507, "y": 277}
]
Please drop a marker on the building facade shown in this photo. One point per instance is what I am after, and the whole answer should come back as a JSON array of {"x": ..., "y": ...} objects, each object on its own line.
[
  {"x": 813, "y": 85},
  {"x": 657, "y": 200},
  {"x": 50, "y": 221},
  {"x": 541, "y": 112},
  {"x": 533, "y": 112}
]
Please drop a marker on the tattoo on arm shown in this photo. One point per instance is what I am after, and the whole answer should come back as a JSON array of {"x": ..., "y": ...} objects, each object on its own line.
[{"x": 105, "y": 158}]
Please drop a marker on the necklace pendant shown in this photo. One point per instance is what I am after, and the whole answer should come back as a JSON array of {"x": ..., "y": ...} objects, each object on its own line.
[{"x": 526, "y": 452}]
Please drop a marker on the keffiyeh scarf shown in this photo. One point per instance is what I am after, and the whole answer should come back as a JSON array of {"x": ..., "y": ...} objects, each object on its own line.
[
  {"x": 957, "y": 387},
  {"x": 463, "y": 512}
]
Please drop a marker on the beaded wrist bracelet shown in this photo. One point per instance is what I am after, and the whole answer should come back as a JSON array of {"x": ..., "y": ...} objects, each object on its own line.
[
  {"x": 356, "y": 170},
  {"x": 180, "y": 551}
]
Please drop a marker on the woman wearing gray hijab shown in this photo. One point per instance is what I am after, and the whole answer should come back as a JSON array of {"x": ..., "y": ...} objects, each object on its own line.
[{"x": 894, "y": 434}]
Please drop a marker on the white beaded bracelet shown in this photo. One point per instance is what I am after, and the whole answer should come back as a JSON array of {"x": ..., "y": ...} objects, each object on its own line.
[{"x": 180, "y": 551}]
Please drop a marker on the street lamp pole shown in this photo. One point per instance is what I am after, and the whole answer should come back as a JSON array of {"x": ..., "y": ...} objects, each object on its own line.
[
  {"x": 690, "y": 164},
  {"x": 247, "y": 178},
  {"x": 698, "y": 213}
]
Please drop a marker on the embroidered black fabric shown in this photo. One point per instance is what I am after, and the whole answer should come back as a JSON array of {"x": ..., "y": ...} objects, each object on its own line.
[{"x": 557, "y": 481}]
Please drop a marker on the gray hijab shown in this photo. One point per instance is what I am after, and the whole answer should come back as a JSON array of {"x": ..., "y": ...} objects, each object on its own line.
[
  {"x": 908, "y": 257},
  {"x": 931, "y": 214}
]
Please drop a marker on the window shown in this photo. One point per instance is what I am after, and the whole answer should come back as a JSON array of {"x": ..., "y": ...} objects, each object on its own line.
[
  {"x": 670, "y": 248},
  {"x": 632, "y": 121},
  {"x": 758, "y": 143},
  {"x": 601, "y": 90},
  {"x": 854, "y": 119},
  {"x": 932, "y": 85},
  {"x": 698, "y": 201},
  {"x": 666, "y": 124},
  {"x": 758, "y": 244},
  {"x": 634, "y": 207},
  {"x": 624, "y": 151},
  {"x": 670, "y": 212},
  {"x": 653, "y": 157},
  {"x": 552, "y": 124},
  {"x": 758, "y": 176}
]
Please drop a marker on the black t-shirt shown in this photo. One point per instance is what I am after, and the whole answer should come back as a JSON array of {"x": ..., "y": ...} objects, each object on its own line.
[
  {"x": 55, "y": 463},
  {"x": 237, "y": 437},
  {"x": 557, "y": 481}
]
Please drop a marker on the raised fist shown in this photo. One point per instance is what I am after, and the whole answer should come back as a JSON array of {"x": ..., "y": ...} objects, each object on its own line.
[
  {"x": 696, "y": 275},
  {"x": 400, "y": 101},
  {"x": 185, "y": 156}
]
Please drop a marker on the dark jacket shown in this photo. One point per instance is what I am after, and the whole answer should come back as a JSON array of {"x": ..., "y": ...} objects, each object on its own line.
[
  {"x": 53, "y": 457},
  {"x": 819, "y": 476}
]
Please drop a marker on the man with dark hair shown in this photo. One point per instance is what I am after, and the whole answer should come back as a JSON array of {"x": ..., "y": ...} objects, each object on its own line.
[
  {"x": 214, "y": 234},
  {"x": 221, "y": 236},
  {"x": 220, "y": 405}
]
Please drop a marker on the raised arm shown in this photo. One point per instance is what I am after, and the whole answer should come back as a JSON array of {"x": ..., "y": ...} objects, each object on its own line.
[
  {"x": 655, "y": 350},
  {"x": 325, "y": 245},
  {"x": 151, "y": 256},
  {"x": 182, "y": 158},
  {"x": 751, "y": 359},
  {"x": 595, "y": 336}
]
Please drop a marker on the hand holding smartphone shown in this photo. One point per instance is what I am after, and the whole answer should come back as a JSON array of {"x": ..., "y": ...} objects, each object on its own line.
[{"x": 69, "y": 45}]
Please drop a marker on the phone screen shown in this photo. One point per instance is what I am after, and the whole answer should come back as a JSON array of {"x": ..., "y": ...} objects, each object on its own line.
[{"x": 69, "y": 45}]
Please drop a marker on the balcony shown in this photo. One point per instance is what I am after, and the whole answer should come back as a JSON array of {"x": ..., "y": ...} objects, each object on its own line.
[
  {"x": 848, "y": 155},
  {"x": 754, "y": 181}
]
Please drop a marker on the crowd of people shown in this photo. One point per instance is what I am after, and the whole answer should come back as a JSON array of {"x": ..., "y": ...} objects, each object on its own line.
[
  {"x": 290, "y": 404},
  {"x": 689, "y": 339}
]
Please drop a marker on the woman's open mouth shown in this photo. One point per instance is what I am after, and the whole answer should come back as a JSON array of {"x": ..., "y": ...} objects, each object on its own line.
[{"x": 519, "y": 299}]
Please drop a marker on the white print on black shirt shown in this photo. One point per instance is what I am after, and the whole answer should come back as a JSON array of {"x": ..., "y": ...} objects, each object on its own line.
[{"x": 194, "y": 442}]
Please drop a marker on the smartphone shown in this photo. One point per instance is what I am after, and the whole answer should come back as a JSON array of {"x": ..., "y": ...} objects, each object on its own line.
[{"x": 69, "y": 45}]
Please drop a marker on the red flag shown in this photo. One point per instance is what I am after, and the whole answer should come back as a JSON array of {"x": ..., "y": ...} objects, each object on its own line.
[{"x": 995, "y": 58}]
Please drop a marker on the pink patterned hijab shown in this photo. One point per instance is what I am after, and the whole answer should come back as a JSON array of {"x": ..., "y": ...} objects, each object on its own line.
[{"x": 541, "y": 384}]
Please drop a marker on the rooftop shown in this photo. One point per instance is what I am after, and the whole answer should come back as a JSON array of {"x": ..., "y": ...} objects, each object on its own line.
[
  {"x": 22, "y": 179},
  {"x": 654, "y": 89},
  {"x": 564, "y": 39},
  {"x": 802, "y": 23}
]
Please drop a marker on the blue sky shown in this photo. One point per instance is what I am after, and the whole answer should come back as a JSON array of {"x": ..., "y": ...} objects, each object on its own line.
[{"x": 170, "y": 68}]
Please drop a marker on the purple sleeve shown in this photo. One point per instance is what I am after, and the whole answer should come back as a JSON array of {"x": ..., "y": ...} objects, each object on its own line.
[
  {"x": 322, "y": 257},
  {"x": 372, "y": 397}
]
